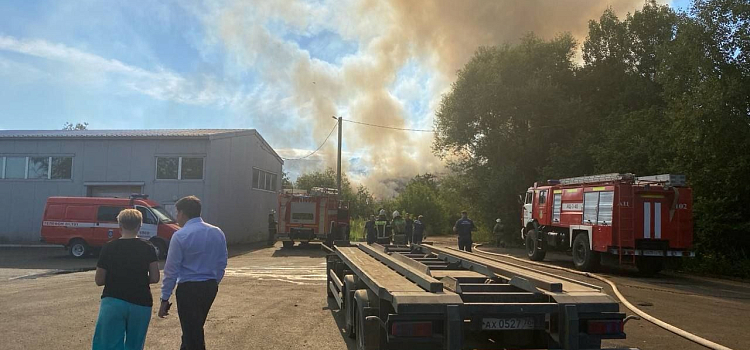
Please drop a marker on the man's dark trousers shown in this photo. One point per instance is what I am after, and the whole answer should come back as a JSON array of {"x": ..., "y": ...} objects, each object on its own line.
[
  {"x": 464, "y": 243},
  {"x": 194, "y": 300}
]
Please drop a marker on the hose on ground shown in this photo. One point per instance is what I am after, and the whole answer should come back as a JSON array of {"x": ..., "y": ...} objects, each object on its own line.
[{"x": 682, "y": 333}]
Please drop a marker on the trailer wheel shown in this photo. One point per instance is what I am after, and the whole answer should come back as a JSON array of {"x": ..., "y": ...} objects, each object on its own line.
[
  {"x": 287, "y": 244},
  {"x": 347, "y": 302},
  {"x": 584, "y": 258},
  {"x": 368, "y": 332},
  {"x": 78, "y": 248},
  {"x": 533, "y": 247},
  {"x": 649, "y": 265}
]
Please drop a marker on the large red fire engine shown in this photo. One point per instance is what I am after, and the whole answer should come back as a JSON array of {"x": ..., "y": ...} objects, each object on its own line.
[
  {"x": 636, "y": 220},
  {"x": 317, "y": 215}
]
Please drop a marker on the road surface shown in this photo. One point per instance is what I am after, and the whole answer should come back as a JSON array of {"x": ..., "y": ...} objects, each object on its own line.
[{"x": 274, "y": 298}]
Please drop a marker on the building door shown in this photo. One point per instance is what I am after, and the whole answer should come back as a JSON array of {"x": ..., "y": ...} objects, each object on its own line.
[{"x": 117, "y": 191}]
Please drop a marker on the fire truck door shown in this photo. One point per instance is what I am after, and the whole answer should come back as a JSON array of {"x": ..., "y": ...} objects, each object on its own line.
[
  {"x": 655, "y": 213},
  {"x": 148, "y": 228},
  {"x": 540, "y": 207},
  {"x": 528, "y": 207}
]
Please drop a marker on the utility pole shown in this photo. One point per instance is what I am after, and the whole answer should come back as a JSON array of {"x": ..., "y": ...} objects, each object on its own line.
[{"x": 338, "y": 162}]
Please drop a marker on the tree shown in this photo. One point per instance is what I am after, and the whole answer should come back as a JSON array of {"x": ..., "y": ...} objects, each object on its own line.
[
  {"x": 285, "y": 182},
  {"x": 77, "y": 126}
]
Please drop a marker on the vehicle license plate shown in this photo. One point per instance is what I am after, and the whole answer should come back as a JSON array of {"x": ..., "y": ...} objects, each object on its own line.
[{"x": 507, "y": 323}]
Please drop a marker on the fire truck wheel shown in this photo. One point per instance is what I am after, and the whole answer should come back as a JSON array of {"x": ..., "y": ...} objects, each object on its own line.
[
  {"x": 584, "y": 258},
  {"x": 78, "y": 248},
  {"x": 368, "y": 331},
  {"x": 649, "y": 265},
  {"x": 287, "y": 244},
  {"x": 533, "y": 249},
  {"x": 160, "y": 247}
]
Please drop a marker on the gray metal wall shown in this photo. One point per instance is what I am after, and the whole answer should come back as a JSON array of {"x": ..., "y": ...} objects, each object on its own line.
[
  {"x": 227, "y": 195},
  {"x": 240, "y": 210}
]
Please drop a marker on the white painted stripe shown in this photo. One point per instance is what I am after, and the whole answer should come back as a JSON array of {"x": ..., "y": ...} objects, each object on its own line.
[
  {"x": 646, "y": 220},
  {"x": 79, "y": 224},
  {"x": 657, "y": 220}
]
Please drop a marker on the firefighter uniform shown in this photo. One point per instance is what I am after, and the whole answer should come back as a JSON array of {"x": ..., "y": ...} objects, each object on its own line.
[
  {"x": 463, "y": 227},
  {"x": 271, "y": 229},
  {"x": 371, "y": 232}
]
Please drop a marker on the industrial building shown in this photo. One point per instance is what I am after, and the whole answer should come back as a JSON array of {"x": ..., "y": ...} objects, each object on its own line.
[{"x": 235, "y": 173}]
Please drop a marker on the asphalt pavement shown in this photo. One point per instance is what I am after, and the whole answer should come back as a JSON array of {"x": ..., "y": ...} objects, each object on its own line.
[{"x": 274, "y": 298}]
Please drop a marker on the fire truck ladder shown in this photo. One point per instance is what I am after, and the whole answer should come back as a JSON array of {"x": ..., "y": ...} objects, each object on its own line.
[{"x": 597, "y": 178}]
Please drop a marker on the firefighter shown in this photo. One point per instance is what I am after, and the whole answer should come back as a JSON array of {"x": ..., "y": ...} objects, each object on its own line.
[
  {"x": 271, "y": 228},
  {"x": 382, "y": 228},
  {"x": 408, "y": 228},
  {"x": 463, "y": 228},
  {"x": 371, "y": 233},
  {"x": 398, "y": 226},
  {"x": 497, "y": 231},
  {"x": 418, "y": 230}
]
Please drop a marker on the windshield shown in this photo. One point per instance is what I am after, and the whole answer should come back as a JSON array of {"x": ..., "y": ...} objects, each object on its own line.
[{"x": 163, "y": 215}]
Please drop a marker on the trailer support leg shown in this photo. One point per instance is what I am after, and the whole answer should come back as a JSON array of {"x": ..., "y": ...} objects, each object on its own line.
[
  {"x": 570, "y": 340},
  {"x": 455, "y": 327}
]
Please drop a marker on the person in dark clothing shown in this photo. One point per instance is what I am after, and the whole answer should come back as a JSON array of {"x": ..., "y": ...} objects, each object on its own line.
[
  {"x": 371, "y": 233},
  {"x": 125, "y": 268},
  {"x": 409, "y": 228},
  {"x": 418, "y": 233},
  {"x": 271, "y": 229},
  {"x": 463, "y": 228},
  {"x": 497, "y": 231}
]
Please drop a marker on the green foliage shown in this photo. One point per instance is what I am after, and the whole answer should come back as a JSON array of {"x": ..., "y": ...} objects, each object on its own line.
[
  {"x": 76, "y": 126},
  {"x": 658, "y": 92}
]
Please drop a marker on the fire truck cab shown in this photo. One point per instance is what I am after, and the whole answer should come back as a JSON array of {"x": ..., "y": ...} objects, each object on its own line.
[
  {"x": 637, "y": 220},
  {"x": 317, "y": 215}
]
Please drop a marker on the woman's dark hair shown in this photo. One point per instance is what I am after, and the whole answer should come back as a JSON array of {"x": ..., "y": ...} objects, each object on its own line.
[{"x": 190, "y": 206}]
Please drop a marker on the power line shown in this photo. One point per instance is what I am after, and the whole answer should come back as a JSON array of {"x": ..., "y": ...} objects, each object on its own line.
[
  {"x": 319, "y": 147},
  {"x": 388, "y": 127}
]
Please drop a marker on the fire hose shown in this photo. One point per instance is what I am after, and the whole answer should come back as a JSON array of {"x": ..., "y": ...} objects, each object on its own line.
[{"x": 682, "y": 333}]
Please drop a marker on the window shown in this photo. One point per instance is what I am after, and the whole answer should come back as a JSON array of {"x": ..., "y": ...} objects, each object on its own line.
[
  {"x": 556, "y": 207},
  {"x": 148, "y": 217},
  {"x": 529, "y": 197},
  {"x": 15, "y": 167},
  {"x": 165, "y": 214},
  {"x": 179, "y": 168},
  {"x": 191, "y": 168},
  {"x": 167, "y": 168},
  {"x": 62, "y": 168},
  {"x": 542, "y": 197},
  {"x": 263, "y": 180},
  {"x": 605, "y": 207},
  {"x": 108, "y": 214},
  {"x": 57, "y": 168},
  {"x": 590, "y": 205}
]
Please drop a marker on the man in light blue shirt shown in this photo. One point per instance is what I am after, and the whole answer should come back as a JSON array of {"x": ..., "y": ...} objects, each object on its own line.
[{"x": 196, "y": 262}]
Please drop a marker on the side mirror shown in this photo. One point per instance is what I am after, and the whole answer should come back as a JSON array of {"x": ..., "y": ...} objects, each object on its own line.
[{"x": 520, "y": 199}]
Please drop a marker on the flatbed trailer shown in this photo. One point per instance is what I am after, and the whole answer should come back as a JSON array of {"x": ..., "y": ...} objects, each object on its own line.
[{"x": 429, "y": 297}]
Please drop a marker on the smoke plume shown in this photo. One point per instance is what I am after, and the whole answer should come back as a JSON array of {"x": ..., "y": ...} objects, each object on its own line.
[{"x": 435, "y": 38}]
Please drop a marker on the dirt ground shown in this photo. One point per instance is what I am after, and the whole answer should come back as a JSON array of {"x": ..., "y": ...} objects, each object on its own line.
[{"x": 274, "y": 298}]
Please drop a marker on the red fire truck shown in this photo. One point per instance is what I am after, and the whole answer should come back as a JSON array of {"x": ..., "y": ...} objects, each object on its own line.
[
  {"x": 636, "y": 220},
  {"x": 317, "y": 215}
]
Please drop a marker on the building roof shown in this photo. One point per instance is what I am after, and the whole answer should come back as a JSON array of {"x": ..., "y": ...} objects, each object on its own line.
[
  {"x": 151, "y": 133},
  {"x": 137, "y": 134}
]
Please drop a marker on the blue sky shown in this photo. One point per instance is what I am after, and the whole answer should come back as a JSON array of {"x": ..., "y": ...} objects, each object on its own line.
[{"x": 282, "y": 68}]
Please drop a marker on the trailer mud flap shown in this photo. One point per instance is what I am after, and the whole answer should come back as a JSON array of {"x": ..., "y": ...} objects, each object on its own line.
[
  {"x": 454, "y": 332},
  {"x": 570, "y": 340}
]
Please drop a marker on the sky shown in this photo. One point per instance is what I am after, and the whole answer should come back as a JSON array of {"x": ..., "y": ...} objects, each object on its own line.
[{"x": 283, "y": 68}]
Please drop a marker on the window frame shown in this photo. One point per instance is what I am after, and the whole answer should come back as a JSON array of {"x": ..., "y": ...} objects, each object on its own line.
[
  {"x": 27, "y": 158},
  {"x": 179, "y": 167},
  {"x": 266, "y": 179}
]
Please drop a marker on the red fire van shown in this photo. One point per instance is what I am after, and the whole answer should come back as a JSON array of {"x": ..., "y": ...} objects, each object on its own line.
[{"x": 85, "y": 223}]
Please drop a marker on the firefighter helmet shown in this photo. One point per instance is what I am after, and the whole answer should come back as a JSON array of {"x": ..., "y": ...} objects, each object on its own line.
[{"x": 396, "y": 213}]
